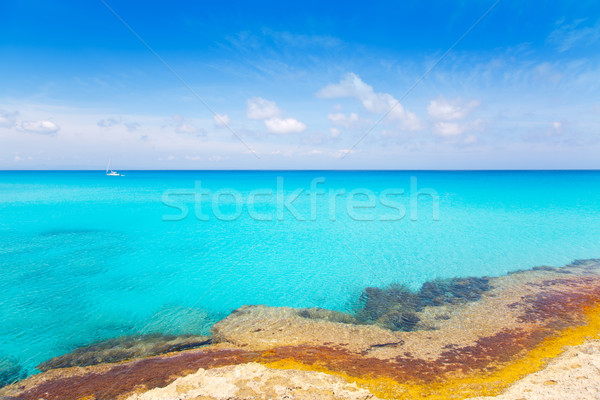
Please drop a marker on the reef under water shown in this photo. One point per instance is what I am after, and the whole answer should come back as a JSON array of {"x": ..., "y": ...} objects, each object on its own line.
[
  {"x": 395, "y": 307},
  {"x": 452, "y": 339},
  {"x": 10, "y": 371},
  {"x": 125, "y": 348}
]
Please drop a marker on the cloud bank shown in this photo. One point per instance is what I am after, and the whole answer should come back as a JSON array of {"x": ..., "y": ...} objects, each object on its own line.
[
  {"x": 352, "y": 86},
  {"x": 259, "y": 108},
  {"x": 42, "y": 127},
  {"x": 284, "y": 125}
]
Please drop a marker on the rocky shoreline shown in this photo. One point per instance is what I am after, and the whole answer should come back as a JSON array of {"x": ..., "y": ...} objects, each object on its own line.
[{"x": 453, "y": 339}]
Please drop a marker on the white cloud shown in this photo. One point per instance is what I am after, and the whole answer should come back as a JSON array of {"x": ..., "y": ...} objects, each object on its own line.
[
  {"x": 286, "y": 39},
  {"x": 454, "y": 128},
  {"x": 285, "y": 153},
  {"x": 108, "y": 122},
  {"x": 132, "y": 126},
  {"x": 276, "y": 40},
  {"x": 259, "y": 108},
  {"x": 182, "y": 126},
  {"x": 185, "y": 127},
  {"x": 344, "y": 120},
  {"x": 558, "y": 126},
  {"x": 221, "y": 120},
  {"x": 42, "y": 126},
  {"x": 378, "y": 103},
  {"x": 334, "y": 132},
  {"x": 451, "y": 110},
  {"x": 8, "y": 119},
  {"x": 448, "y": 116},
  {"x": 314, "y": 138},
  {"x": 342, "y": 153},
  {"x": 350, "y": 86},
  {"x": 444, "y": 128},
  {"x": 284, "y": 125},
  {"x": 471, "y": 139},
  {"x": 569, "y": 35},
  {"x": 546, "y": 72},
  {"x": 18, "y": 158},
  {"x": 216, "y": 158}
]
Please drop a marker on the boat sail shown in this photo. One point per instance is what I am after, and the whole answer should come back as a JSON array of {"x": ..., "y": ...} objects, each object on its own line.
[{"x": 110, "y": 172}]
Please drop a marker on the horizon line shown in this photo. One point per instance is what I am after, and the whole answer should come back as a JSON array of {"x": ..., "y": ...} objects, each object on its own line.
[{"x": 315, "y": 169}]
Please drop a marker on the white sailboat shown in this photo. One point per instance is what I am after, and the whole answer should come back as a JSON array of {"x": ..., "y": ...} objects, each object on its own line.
[{"x": 110, "y": 172}]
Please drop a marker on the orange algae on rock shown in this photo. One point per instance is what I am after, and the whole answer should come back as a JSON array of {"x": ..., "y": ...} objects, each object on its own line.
[
  {"x": 114, "y": 381},
  {"x": 479, "y": 383}
]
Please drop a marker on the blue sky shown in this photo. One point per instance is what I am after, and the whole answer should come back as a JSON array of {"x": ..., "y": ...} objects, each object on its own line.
[{"x": 299, "y": 85}]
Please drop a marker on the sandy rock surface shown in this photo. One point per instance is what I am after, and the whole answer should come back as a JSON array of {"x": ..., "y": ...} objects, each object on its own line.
[
  {"x": 574, "y": 375},
  {"x": 254, "y": 381},
  {"x": 262, "y": 327}
]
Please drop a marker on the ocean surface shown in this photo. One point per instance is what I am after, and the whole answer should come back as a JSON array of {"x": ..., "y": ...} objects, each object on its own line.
[{"x": 86, "y": 257}]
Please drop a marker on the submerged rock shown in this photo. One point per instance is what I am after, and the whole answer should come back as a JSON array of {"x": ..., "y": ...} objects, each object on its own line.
[
  {"x": 261, "y": 328},
  {"x": 10, "y": 371},
  {"x": 454, "y": 290},
  {"x": 125, "y": 348},
  {"x": 176, "y": 320},
  {"x": 377, "y": 302},
  {"x": 327, "y": 315},
  {"x": 399, "y": 321},
  {"x": 585, "y": 262},
  {"x": 395, "y": 307}
]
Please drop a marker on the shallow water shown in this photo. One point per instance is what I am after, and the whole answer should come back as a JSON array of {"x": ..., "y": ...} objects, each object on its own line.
[{"x": 85, "y": 257}]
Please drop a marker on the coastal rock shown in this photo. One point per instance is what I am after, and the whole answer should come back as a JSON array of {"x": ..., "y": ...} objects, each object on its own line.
[
  {"x": 327, "y": 315},
  {"x": 399, "y": 321},
  {"x": 262, "y": 327},
  {"x": 257, "y": 382},
  {"x": 124, "y": 348},
  {"x": 473, "y": 347},
  {"x": 573, "y": 375}
]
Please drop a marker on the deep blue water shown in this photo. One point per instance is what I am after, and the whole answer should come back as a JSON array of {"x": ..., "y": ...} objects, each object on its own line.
[{"x": 85, "y": 257}]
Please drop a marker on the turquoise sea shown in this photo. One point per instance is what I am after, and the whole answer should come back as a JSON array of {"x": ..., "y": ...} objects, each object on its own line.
[{"x": 86, "y": 257}]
